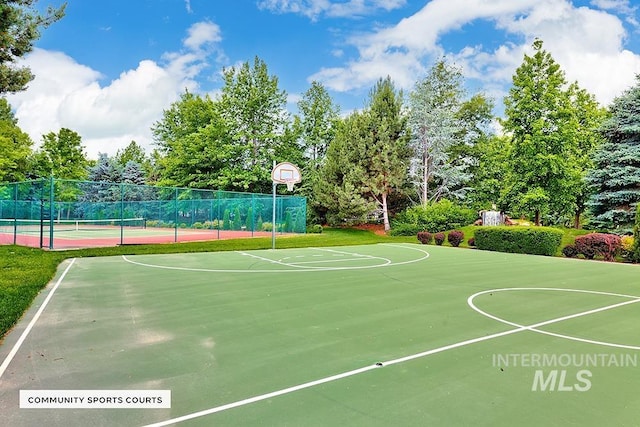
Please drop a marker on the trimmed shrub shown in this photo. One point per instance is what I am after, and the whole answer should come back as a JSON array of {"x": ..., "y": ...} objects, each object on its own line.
[
  {"x": 455, "y": 237},
  {"x": 439, "y": 238},
  {"x": 425, "y": 237},
  {"x": 472, "y": 242},
  {"x": 226, "y": 220},
  {"x": 570, "y": 251},
  {"x": 438, "y": 216},
  {"x": 522, "y": 240},
  {"x": 402, "y": 229},
  {"x": 314, "y": 229},
  {"x": 603, "y": 244}
]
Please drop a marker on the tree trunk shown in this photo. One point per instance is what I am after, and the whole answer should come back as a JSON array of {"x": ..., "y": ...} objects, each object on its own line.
[
  {"x": 385, "y": 212},
  {"x": 576, "y": 220},
  {"x": 425, "y": 179},
  {"x": 537, "y": 220}
]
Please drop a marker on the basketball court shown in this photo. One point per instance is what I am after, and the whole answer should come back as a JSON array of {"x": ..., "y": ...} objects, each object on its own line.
[{"x": 387, "y": 334}]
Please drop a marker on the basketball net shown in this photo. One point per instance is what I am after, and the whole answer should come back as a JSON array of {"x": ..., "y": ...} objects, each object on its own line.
[{"x": 290, "y": 184}]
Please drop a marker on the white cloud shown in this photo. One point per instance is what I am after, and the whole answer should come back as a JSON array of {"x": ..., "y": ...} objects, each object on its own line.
[
  {"x": 202, "y": 34},
  {"x": 108, "y": 117},
  {"x": 313, "y": 9},
  {"x": 587, "y": 43}
]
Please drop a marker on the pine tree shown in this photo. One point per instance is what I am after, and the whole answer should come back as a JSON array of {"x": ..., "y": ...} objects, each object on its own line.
[{"x": 615, "y": 177}]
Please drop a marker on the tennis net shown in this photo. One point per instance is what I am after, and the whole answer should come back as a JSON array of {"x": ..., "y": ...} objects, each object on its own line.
[{"x": 68, "y": 225}]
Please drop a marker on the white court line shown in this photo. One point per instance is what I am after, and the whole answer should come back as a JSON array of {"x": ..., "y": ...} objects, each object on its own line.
[
  {"x": 293, "y": 268},
  {"x": 554, "y": 334},
  {"x": 18, "y": 344},
  {"x": 382, "y": 364}
]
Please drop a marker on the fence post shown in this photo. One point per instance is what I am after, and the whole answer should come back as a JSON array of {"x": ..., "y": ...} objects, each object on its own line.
[
  {"x": 121, "y": 214},
  {"x": 175, "y": 237},
  {"x": 51, "y": 209},
  {"x": 15, "y": 213}
]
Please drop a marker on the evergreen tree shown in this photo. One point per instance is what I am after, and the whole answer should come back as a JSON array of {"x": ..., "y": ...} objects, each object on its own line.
[
  {"x": 368, "y": 159},
  {"x": 434, "y": 123},
  {"x": 615, "y": 178}
]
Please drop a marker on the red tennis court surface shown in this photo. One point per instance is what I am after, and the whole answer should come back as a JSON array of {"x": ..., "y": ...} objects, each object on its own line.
[{"x": 72, "y": 240}]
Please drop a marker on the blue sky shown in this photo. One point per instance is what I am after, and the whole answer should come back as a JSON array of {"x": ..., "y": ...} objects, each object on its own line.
[{"x": 109, "y": 68}]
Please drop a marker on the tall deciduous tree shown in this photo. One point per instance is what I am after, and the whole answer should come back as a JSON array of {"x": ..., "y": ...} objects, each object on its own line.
[
  {"x": 539, "y": 118},
  {"x": 588, "y": 116},
  {"x": 434, "y": 123},
  {"x": 253, "y": 107},
  {"x": 317, "y": 122},
  {"x": 615, "y": 177},
  {"x": 15, "y": 146},
  {"x": 318, "y": 115},
  {"x": 196, "y": 148},
  {"x": 20, "y": 25},
  {"x": 61, "y": 155}
]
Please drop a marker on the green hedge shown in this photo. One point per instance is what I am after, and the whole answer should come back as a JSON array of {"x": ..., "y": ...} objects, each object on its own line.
[{"x": 522, "y": 240}]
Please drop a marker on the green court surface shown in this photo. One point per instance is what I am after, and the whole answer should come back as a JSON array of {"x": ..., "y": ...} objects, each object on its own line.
[{"x": 378, "y": 335}]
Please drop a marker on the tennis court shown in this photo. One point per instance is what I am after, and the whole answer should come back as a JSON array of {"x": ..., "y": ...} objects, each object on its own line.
[
  {"x": 377, "y": 335},
  {"x": 72, "y": 234}
]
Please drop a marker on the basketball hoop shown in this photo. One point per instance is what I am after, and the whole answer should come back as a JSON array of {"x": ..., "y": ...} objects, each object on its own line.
[{"x": 286, "y": 173}]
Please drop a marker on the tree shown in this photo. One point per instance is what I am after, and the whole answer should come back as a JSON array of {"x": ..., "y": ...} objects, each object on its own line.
[
  {"x": 318, "y": 115},
  {"x": 434, "y": 123},
  {"x": 253, "y": 107},
  {"x": 105, "y": 170},
  {"x": 132, "y": 152},
  {"x": 20, "y": 26},
  {"x": 61, "y": 155},
  {"x": 615, "y": 177},
  {"x": 338, "y": 191},
  {"x": 317, "y": 128},
  {"x": 15, "y": 146},
  {"x": 589, "y": 117},
  {"x": 369, "y": 158},
  {"x": 539, "y": 119},
  {"x": 196, "y": 148},
  {"x": 385, "y": 154}
]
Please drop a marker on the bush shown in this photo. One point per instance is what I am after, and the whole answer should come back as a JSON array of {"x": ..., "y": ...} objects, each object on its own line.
[
  {"x": 425, "y": 237},
  {"x": 197, "y": 225},
  {"x": 314, "y": 229},
  {"x": 603, "y": 244},
  {"x": 472, "y": 242},
  {"x": 402, "y": 229},
  {"x": 570, "y": 251},
  {"x": 439, "y": 216},
  {"x": 523, "y": 240},
  {"x": 455, "y": 237},
  {"x": 439, "y": 238}
]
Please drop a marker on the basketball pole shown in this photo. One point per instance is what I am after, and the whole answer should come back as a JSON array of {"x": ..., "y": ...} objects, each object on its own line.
[{"x": 273, "y": 216}]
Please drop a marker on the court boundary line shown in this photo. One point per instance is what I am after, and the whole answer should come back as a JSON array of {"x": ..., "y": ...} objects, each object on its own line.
[
  {"x": 377, "y": 365},
  {"x": 25, "y": 333},
  {"x": 293, "y": 267},
  {"x": 554, "y": 334}
]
